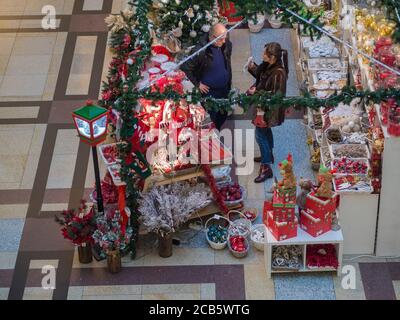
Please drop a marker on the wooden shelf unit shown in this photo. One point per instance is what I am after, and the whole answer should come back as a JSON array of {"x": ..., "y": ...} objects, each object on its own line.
[{"x": 303, "y": 239}]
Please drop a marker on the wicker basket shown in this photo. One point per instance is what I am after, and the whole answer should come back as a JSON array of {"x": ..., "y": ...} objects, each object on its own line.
[
  {"x": 236, "y": 202},
  {"x": 257, "y": 244},
  {"x": 217, "y": 220},
  {"x": 259, "y": 25},
  {"x": 237, "y": 254},
  {"x": 252, "y": 210},
  {"x": 239, "y": 227}
]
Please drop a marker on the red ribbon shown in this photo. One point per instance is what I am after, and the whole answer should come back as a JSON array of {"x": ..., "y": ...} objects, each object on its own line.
[{"x": 121, "y": 207}]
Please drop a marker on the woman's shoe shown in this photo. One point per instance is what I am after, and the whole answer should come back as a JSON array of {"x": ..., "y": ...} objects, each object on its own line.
[
  {"x": 257, "y": 159},
  {"x": 265, "y": 173}
]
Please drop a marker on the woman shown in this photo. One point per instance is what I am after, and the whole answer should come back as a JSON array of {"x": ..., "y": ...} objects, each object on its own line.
[{"x": 271, "y": 76}]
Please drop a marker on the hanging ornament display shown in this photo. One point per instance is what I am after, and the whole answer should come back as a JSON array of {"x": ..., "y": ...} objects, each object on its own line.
[
  {"x": 193, "y": 34},
  {"x": 177, "y": 32},
  {"x": 206, "y": 28}
]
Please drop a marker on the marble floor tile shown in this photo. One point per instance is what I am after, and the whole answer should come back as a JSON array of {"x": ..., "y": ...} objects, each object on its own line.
[
  {"x": 3, "y": 63},
  {"x": 61, "y": 171},
  {"x": 12, "y": 6},
  {"x": 35, "y": 7},
  {"x": 75, "y": 293},
  {"x": 19, "y": 113},
  {"x": 181, "y": 256},
  {"x": 396, "y": 286},
  {"x": 4, "y": 293},
  {"x": 171, "y": 296},
  {"x": 356, "y": 293},
  {"x": 82, "y": 64},
  {"x": 92, "y": 5},
  {"x": 258, "y": 286},
  {"x": 207, "y": 291},
  {"x": 171, "y": 288},
  {"x": 37, "y": 294},
  {"x": 34, "y": 44},
  {"x": 7, "y": 260},
  {"x": 12, "y": 168},
  {"x": 304, "y": 287},
  {"x": 39, "y": 264},
  {"x": 114, "y": 297},
  {"x": 16, "y": 142},
  {"x": 23, "y": 86},
  {"x": 10, "y": 234},
  {"x": 28, "y": 65},
  {"x": 112, "y": 290},
  {"x": 78, "y": 84},
  {"x": 67, "y": 142},
  {"x": 13, "y": 211}
]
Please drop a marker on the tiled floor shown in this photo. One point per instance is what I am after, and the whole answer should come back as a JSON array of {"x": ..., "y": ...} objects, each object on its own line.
[{"x": 44, "y": 75}]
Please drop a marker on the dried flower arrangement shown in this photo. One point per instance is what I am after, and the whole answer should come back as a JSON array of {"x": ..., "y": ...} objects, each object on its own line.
[
  {"x": 109, "y": 235},
  {"x": 164, "y": 208},
  {"x": 78, "y": 225}
]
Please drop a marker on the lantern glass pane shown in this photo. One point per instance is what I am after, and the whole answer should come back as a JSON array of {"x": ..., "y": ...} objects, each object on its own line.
[
  {"x": 99, "y": 126},
  {"x": 83, "y": 127}
]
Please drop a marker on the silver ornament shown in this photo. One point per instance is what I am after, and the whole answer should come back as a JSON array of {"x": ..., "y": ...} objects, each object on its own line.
[
  {"x": 206, "y": 28},
  {"x": 193, "y": 34}
]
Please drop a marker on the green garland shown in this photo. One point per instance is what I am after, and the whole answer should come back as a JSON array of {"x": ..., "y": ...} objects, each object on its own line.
[{"x": 269, "y": 102}]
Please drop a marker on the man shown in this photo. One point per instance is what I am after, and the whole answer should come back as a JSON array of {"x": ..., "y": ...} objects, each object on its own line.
[{"x": 211, "y": 70}]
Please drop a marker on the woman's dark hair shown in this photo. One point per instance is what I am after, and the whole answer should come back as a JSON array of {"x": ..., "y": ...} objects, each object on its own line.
[{"x": 274, "y": 49}]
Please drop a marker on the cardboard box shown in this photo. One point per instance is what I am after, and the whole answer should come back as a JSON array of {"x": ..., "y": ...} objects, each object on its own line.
[
  {"x": 282, "y": 230},
  {"x": 313, "y": 225},
  {"x": 318, "y": 206}
]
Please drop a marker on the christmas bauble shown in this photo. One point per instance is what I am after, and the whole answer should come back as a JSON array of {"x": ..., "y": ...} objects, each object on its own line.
[
  {"x": 190, "y": 13},
  {"x": 177, "y": 32},
  {"x": 206, "y": 28},
  {"x": 130, "y": 61},
  {"x": 196, "y": 7},
  {"x": 165, "y": 1},
  {"x": 193, "y": 34}
]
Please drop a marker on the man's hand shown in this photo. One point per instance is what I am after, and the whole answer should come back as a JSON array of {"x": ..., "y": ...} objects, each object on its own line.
[
  {"x": 252, "y": 64},
  {"x": 203, "y": 88},
  {"x": 251, "y": 91}
]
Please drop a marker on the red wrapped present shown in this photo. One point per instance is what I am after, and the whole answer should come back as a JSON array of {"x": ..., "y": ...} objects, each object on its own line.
[
  {"x": 283, "y": 207},
  {"x": 318, "y": 206},
  {"x": 281, "y": 230},
  {"x": 313, "y": 225},
  {"x": 284, "y": 195},
  {"x": 267, "y": 207},
  {"x": 227, "y": 9}
]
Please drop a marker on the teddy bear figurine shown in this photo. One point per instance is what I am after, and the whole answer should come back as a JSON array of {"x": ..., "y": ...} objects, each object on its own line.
[
  {"x": 286, "y": 169},
  {"x": 325, "y": 183},
  {"x": 306, "y": 186}
]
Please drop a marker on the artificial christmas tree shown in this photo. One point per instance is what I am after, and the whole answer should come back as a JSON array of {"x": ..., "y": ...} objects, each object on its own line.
[{"x": 185, "y": 20}]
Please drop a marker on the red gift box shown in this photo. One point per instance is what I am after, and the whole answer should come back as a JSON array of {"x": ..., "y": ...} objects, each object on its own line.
[
  {"x": 267, "y": 207},
  {"x": 284, "y": 196},
  {"x": 281, "y": 230},
  {"x": 313, "y": 225},
  {"x": 318, "y": 206}
]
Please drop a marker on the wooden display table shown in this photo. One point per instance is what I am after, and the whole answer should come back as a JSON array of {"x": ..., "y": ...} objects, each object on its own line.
[
  {"x": 161, "y": 180},
  {"x": 303, "y": 239}
]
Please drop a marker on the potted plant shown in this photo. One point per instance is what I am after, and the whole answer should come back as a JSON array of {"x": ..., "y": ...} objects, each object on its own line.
[
  {"x": 78, "y": 227},
  {"x": 165, "y": 208},
  {"x": 111, "y": 238},
  {"x": 256, "y": 24},
  {"x": 275, "y": 19}
]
